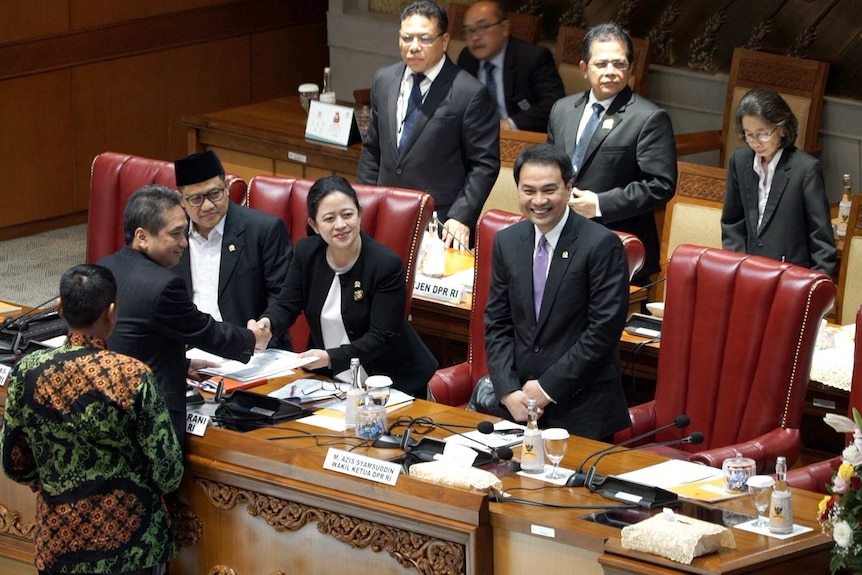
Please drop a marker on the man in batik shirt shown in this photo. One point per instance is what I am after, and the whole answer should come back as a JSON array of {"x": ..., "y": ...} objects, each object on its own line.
[{"x": 88, "y": 430}]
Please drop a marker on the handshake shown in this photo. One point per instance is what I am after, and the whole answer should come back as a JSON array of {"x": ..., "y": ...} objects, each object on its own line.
[{"x": 262, "y": 331}]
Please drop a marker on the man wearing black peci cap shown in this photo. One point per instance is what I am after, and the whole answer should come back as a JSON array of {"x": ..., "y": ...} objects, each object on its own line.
[{"x": 237, "y": 257}]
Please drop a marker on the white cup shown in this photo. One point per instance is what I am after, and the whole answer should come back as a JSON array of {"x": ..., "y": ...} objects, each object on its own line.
[{"x": 308, "y": 92}]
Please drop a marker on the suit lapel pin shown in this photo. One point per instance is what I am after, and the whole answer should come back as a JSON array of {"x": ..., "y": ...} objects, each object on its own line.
[
  {"x": 231, "y": 248},
  {"x": 358, "y": 292},
  {"x": 565, "y": 255},
  {"x": 608, "y": 124}
]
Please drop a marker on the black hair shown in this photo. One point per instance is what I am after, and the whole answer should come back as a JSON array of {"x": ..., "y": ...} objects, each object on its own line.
[
  {"x": 770, "y": 107},
  {"x": 146, "y": 209},
  {"x": 607, "y": 32},
  {"x": 430, "y": 10},
  {"x": 325, "y": 186},
  {"x": 547, "y": 155},
  {"x": 86, "y": 290}
]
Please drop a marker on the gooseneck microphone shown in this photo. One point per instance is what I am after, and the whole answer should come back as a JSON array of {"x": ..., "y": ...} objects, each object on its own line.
[
  {"x": 645, "y": 496},
  {"x": 504, "y": 453},
  {"x": 578, "y": 478},
  {"x": 649, "y": 285}
]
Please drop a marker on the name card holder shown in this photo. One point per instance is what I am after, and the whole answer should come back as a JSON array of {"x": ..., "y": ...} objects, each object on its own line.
[
  {"x": 332, "y": 124},
  {"x": 441, "y": 290}
]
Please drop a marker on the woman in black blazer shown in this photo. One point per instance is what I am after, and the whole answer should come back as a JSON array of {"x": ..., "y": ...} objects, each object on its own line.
[
  {"x": 352, "y": 290},
  {"x": 775, "y": 203}
]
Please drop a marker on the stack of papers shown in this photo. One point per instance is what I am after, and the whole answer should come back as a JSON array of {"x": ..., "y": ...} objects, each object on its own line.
[
  {"x": 266, "y": 364},
  {"x": 687, "y": 479}
]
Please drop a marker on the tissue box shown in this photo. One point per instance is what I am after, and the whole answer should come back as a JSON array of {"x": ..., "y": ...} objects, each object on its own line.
[
  {"x": 445, "y": 473},
  {"x": 676, "y": 537}
]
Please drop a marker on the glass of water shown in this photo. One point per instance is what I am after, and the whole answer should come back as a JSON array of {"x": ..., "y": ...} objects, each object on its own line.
[
  {"x": 556, "y": 442},
  {"x": 377, "y": 389}
]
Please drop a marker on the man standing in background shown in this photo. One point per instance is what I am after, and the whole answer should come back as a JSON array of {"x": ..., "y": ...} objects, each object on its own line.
[
  {"x": 237, "y": 257},
  {"x": 621, "y": 145},
  {"x": 521, "y": 78},
  {"x": 433, "y": 126}
]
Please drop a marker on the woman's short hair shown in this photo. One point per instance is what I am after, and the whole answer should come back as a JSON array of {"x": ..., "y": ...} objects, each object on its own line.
[{"x": 770, "y": 107}]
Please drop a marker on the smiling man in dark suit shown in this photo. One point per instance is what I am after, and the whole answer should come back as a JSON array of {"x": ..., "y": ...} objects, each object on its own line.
[
  {"x": 433, "y": 126},
  {"x": 521, "y": 78},
  {"x": 237, "y": 257},
  {"x": 556, "y": 307},
  {"x": 625, "y": 168}
]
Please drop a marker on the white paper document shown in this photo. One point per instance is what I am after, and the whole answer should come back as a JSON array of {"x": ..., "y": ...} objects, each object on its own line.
[
  {"x": 505, "y": 434},
  {"x": 265, "y": 364},
  {"x": 671, "y": 473}
]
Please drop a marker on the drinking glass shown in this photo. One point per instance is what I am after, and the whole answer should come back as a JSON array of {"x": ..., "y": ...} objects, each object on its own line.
[
  {"x": 308, "y": 92},
  {"x": 377, "y": 389},
  {"x": 556, "y": 441},
  {"x": 760, "y": 489}
]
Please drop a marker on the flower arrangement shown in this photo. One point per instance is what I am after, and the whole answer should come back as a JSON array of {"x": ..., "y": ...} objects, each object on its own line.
[{"x": 841, "y": 512}]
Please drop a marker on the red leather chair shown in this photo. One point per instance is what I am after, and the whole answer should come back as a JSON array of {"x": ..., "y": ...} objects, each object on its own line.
[
  {"x": 393, "y": 216},
  {"x": 113, "y": 178},
  {"x": 736, "y": 349},
  {"x": 453, "y": 385},
  {"x": 816, "y": 476}
]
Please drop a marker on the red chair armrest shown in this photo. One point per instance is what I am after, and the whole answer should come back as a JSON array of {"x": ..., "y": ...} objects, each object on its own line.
[
  {"x": 814, "y": 477},
  {"x": 453, "y": 385},
  {"x": 763, "y": 449},
  {"x": 643, "y": 420}
]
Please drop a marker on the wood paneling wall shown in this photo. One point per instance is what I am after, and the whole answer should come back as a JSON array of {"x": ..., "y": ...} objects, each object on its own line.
[{"x": 79, "y": 77}]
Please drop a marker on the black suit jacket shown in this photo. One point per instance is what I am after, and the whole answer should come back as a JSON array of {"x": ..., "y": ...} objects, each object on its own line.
[
  {"x": 254, "y": 258},
  {"x": 453, "y": 152},
  {"x": 573, "y": 347},
  {"x": 796, "y": 225},
  {"x": 630, "y": 163},
  {"x": 373, "y": 294},
  {"x": 156, "y": 320},
  {"x": 531, "y": 83}
]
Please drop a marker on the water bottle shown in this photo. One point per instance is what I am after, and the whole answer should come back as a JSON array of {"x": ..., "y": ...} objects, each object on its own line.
[
  {"x": 355, "y": 395},
  {"x": 532, "y": 452},
  {"x": 781, "y": 505},
  {"x": 328, "y": 94}
]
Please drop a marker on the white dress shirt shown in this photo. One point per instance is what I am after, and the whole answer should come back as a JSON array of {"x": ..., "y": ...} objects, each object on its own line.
[
  {"x": 205, "y": 262},
  {"x": 407, "y": 87}
]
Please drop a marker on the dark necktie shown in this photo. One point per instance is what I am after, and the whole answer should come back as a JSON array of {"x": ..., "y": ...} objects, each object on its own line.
[
  {"x": 540, "y": 274},
  {"x": 586, "y": 136},
  {"x": 491, "y": 85},
  {"x": 414, "y": 102}
]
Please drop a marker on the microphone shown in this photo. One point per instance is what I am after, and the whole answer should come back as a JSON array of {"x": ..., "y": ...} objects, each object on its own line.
[
  {"x": 578, "y": 478},
  {"x": 503, "y": 452},
  {"x": 21, "y": 322},
  {"x": 456, "y": 240},
  {"x": 629, "y": 492},
  {"x": 649, "y": 285}
]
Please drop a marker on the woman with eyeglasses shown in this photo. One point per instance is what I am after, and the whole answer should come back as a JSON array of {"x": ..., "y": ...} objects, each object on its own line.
[
  {"x": 775, "y": 203},
  {"x": 352, "y": 290}
]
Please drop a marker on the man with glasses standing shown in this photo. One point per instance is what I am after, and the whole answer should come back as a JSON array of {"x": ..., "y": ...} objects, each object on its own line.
[
  {"x": 433, "y": 126},
  {"x": 520, "y": 77},
  {"x": 237, "y": 257},
  {"x": 621, "y": 144}
]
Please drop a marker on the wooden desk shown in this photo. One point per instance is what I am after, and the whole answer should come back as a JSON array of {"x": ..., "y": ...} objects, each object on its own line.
[
  {"x": 260, "y": 506},
  {"x": 269, "y": 138}
]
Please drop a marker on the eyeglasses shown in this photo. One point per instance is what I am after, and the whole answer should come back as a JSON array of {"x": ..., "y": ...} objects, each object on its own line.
[
  {"x": 331, "y": 386},
  {"x": 197, "y": 200},
  {"x": 617, "y": 64},
  {"x": 424, "y": 40},
  {"x": 761, "y": 137},
  {"x": 481, "y": 29}
]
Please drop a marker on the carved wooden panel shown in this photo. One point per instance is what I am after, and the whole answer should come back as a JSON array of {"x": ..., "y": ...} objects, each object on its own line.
[
  {"x": 11, "y": 524},
  {"x": 778, "y": 75},
  {"x": 428, "y": 555},
  {"x": 701, "y": 187}
]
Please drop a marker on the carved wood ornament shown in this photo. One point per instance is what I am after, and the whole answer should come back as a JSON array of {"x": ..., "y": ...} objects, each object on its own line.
[
  {"x": 10, "y": 524},
  {"x": 426, "y": 554}
]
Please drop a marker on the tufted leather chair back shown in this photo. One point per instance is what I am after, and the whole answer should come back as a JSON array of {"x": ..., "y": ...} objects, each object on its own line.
[
  {"x": 394, "y": 217},
  {"x": 737, "y": 342},
  {"x": 113, "y": 178}
]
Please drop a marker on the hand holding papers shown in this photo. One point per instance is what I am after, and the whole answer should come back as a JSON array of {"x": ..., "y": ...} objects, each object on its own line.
[{"x": 267, "y": 364}]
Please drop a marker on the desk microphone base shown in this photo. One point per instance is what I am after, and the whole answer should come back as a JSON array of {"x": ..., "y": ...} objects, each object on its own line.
[{"x": 633, "y": 493}]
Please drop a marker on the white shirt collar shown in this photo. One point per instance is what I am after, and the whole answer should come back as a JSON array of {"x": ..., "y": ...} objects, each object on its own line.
[
  {"x": 552, "y": 236},
  {"x": 219, "y": 227}
]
